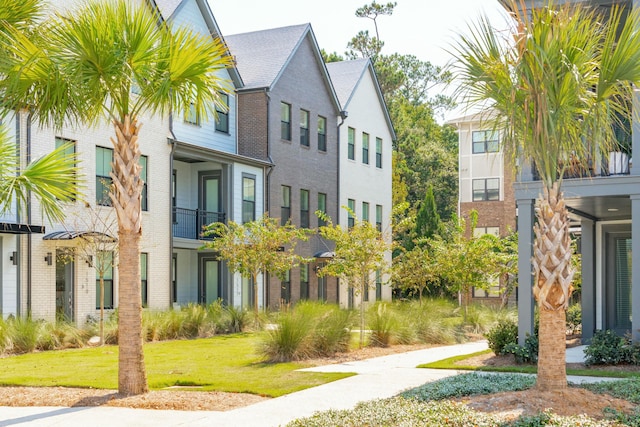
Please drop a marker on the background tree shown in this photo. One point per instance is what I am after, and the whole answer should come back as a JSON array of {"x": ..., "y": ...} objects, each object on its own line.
[
  {"x": 559, "y": 76},
  {"x": 363, "y": 45},
  {"x": 257, "y": 247},
  {"x": 80, "y": 68},
  {"x": 359, "y": 256},
  {"x": 428, "y": 222}
]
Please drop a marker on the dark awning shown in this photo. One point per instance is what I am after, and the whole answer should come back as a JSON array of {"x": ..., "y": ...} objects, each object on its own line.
[
  {"x": 324, "y": 255},
  {"x": 11, "y": 228},
  {"x": 70, "y": 235}
]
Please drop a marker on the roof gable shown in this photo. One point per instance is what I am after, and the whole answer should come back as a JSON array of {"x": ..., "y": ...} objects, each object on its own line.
[
  {"x": 347, "y": 76},
  {"x": 262, "y": 56}
]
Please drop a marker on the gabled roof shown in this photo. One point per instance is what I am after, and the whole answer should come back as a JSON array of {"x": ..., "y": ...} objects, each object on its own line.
[
  {"x": 262, "y": 56},
  {"x": 346, "y": 77},
  {"x": 168, "y": 9}
]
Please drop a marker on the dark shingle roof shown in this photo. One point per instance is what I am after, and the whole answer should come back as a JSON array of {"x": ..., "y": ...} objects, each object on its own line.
[
  {"x": 345, "y": 76},
  {"x": 261, "y": 55}
]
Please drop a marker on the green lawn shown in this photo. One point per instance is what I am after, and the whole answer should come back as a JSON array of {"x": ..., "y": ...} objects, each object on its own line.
[
  {"x": 223, "y": 363},
  {"x": 457, "y": 362}
]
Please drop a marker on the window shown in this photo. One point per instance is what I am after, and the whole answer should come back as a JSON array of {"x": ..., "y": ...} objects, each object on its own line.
[
  {"x": 144, "y": 257},
  {"x": 304, "y": 281},
  {"x": 379, "y": 152},
  {"x": 480, "y": 231},
  {"x": 247, "y": 292},
  {"x": 365, "y": 212},
  {"x": 351, "y": 144},
  {"x": 486, "y": 189},
  {"x": 322, "y": 285},
  {"x": 104, "y": 267},
  {"x": 174, "y": 278},
  {"x": 222, "y": 114},
  {"x": 70, "y": 149},
  {"x": 304, "y": 208},
  {"x": 379, "y": 217},
  {"x": 378, "y": 285},
  {"x": 351, "y": 221},
  {"x": 322, "y": 133},
  {"x": 285, "y": 121},
  {"x": 143, "y": 176},
  {"x": 104, "y": 158},
  {"x": 304, "y": 128},
  {"x": 365, "y": 148},
  {"x": 322, "y": 207},
  {"x": 285, "y": 288},
  {"x": 485, "y": 141},
  {"x": 248, "y": 198},
  {"x": 191, "y": 115},
  {"x": 285, "y": 205},
  {"x": 174, "y": 192}
]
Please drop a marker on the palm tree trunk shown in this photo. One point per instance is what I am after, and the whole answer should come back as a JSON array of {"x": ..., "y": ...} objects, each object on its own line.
[
  {"x": 126, "y": 196},
  {"x": 552, "y": 288}
]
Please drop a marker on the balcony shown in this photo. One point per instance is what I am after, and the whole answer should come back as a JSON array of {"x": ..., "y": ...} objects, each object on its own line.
[
  {"x": 189, "y": 223},
  {"x": 617, "y": 163}
]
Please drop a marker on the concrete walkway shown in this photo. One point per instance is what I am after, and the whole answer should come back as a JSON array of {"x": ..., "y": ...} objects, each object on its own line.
[{"x": 379, "y": 377}]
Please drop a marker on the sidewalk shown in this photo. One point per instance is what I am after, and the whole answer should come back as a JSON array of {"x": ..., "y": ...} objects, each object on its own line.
[{"x": 379, "y": 377}]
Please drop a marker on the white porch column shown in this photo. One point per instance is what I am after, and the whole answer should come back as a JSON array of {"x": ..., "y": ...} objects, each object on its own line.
[{"x": 525, "y": 276}]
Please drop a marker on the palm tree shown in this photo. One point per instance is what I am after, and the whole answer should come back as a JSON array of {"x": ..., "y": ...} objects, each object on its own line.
[
  {"x": 559, "y": 76},
  {"x": 112, "y": 60}
]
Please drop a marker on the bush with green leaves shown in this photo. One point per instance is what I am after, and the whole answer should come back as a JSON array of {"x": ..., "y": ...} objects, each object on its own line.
[
  {"x": 574, "y": 318},
  {"x": 502, "y": 334},
  {"x": 527, "y": 353},
  {"x": 383, "y": 324},
  {"x": 608, "y": 348}
]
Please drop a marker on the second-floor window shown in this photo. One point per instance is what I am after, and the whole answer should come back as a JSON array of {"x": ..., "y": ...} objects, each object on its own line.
[
  {"x": 486, "y": 189},
  {"x": 285, "y": 205},
  {"x": 304, "y": 128},
  {"x": 379, "y": 152},
  {"x": 379, "y": 217},
  {"x": 322, "y": 133},
  {"x": 322, "y": 207},
  {"x": 365, "y": 148},
  {"x": 191, "y": 115},
  {"x": 104, "y": 158},
  {"x": 248, "y": 198},
  {"x": 285, "y": 121},
  {"x": 365, "y": 211},
  {"x": 351, "y": 220},
  {"x": 70, "y": 149},
  {"x": 351, "y": 144},
  {"x": 222, "y": 114},
  {"x": 485, "y": 141},
  {"x": 304, "y": 208}
]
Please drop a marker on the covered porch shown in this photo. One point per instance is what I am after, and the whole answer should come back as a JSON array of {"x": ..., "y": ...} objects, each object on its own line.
[{"x": 605, "y": 214}]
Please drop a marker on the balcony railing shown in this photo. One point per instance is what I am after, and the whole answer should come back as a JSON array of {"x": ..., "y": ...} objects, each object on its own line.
[
  {"x": 189, "y": 223},
  {"x": 617, "y": 163}
]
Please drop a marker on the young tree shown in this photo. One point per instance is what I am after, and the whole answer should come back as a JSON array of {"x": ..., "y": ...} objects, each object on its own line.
[
  {"x": 82, "y": 68},
  {"x": 559, "y": 76},
  {"x": 99, "y": 247},
  {"x": 415, "y": 270},
  {"x": 358, "y": 256},
  {"x": 257, "y": 247},
  {"x": 428, "y": 221}
]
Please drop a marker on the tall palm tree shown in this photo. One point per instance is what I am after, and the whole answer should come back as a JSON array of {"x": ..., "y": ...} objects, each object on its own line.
[
  {"x": 114, "y": 60},
  {"x": 559, "y": 76}
]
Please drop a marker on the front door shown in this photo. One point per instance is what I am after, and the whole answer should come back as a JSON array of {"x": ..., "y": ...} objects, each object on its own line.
[
  {"x": 64, "y": 286},
  {"x": 209, "y": 289},
  {"x": 618, "y": 283},
  {"x": 210, "y": 198}
]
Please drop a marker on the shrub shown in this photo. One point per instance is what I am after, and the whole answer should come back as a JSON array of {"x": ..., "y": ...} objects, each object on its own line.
[
  {"x": 504, "y": 333},
  {"x": 331, "y": 333},
  {"x": 608, "y": 348},
  {"x": 528, "y": 353},
  {"x": 236, "y": 319},
  {"x": 194, "y": 319},
  {"x": 24, "y": 334},
  {"x": 574, "y": 318},
  {"x": 289, "y": 340}
]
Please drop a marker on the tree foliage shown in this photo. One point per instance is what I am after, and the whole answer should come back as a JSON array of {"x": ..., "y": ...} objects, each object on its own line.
[
  {"x": 359, "y": 255},
  {"x": 257, "y": 247},
  {"x": 416, "y": 270}
]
